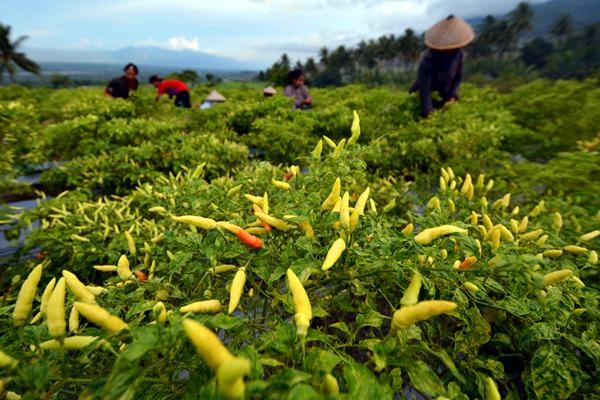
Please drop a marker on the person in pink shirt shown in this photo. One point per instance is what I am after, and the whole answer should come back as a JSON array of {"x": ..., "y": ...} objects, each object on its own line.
[{"x": 172, "y": 87}]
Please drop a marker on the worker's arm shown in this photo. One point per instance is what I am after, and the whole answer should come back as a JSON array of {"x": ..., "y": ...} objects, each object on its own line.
[{"x": 424, "y": 80}]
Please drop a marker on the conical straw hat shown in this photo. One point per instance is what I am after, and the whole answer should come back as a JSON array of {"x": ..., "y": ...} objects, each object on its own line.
[
  {"x": 450, "y": 33},
  {"x": 214, "y": 96},
  {"x": 269, "y": 90}
]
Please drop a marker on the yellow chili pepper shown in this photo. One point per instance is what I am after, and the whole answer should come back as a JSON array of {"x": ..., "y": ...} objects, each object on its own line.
[
  {"x": 159, "y": 312},
  {"x": 471, "y": 287},
  {"x": 589, "y": 236},
  {"x": 130, "y": 243},
  {"x": 77, "y": 288},
  {"x": 274, "y": 222},
  {"x": 523, "y": 224},
  {"x": 338, "y": 149},
  {"x": 334, "y": 253},
  {"x": 101, "y": 317},
  {"x": 200, "y": 222},
  {"x": 7, "y": 361},
  {"x": 429, "y": 235},
  {"x": 533, "y": 235},
  {"x": 237, "y": 287},
  {"x": 575, "y": 249},
  {"x": 557, "y": 276},
  {"x": 69, "y": 343},
  {"x": 255, "y": 199},
  {"x": 200, "y": 307},
  {"x": 330, "y": 385},
  {"x": 44, "y": 303},
  {"x": 344, "y": 212},
  {"x": 329, "y": 142},
  {"x": 74, "y": 320},
  {"x": 408, "y": 229},
  {"x": 552, "y": 253},
  {"x": 333, "y": 196},
  {"x": 491, "y": 390},
  {"x": 123, "y": 268},
  {"x": 390, "y": 206},
  {"x": 280, "y": 184},
  {"x": 421, "y": 311},
  {"x": 354, "y": 128},
  {"x": 234, "y": 190},
  {"x": 411, "y": 294},
  {"x": 26, "y": 295},
  {"x": 316, "y": 153},
  {"x": 302, "y": 305},
  {"x": 557, "y": 221},
  {"x": 55, "y": 312}
]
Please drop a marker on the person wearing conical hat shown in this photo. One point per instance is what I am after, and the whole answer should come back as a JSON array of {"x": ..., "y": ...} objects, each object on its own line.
[
  {"x": 212, "y": 98},
  {"x": 441, "y": 67},
  {"x": 269, "y": 91}
]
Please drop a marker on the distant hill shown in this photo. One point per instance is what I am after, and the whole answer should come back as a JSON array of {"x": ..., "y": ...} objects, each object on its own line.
[
  {"x": 157, "y": 56},
  {"x": 583, "y": 12}
]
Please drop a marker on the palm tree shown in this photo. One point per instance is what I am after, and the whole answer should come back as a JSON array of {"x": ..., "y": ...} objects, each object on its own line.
[
  {"x": 10, "y": 58},
  {"x": 323, "y": 55},
  {"x": 521, "y": 18},
  {"x": 562, "y": 27},
  {"x": 285, "y": 61},
  {"x": 409, "y": 47}
]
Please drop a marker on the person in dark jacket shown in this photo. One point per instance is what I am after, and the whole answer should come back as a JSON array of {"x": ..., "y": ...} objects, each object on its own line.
[
  {"x": 123, "y": 86},
  {"x": 172, "y": 87},
  {"x": 441, "y": 67}
]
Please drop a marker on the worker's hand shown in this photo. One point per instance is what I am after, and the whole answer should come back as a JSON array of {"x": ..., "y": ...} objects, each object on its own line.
[
  {"x": 451, "y": 100},
  {"x": 307, "y": 100}
]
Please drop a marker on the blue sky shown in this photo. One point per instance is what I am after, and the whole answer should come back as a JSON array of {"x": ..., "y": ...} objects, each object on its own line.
[{"x": 250, "y": 30}]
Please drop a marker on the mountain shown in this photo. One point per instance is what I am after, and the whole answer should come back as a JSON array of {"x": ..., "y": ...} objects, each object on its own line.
[
  {"x": 583, "y": 13},
  {"x": 149, "y": 55}
]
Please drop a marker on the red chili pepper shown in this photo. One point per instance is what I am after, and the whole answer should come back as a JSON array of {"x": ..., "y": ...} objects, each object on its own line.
[
  {"x": 288, "y": 175},
  {"x": 140, "y": 275},
  {"x": 249, "y": 239}
]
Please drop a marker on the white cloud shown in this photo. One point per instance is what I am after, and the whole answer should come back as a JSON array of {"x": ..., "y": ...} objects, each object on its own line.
[{"x": 183, "y": 43}]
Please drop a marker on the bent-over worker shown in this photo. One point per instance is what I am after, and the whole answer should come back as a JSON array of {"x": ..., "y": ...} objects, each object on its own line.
[{"x": 441, "y": 67}]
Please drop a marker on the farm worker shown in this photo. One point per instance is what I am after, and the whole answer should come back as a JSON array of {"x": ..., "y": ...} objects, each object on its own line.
[
  {"x": 172, "y": 87},
  {"x": 441, "y": 67},
  {"x": 297, "y": 90},
  {"x": 269, "y": 91},
  {"x": 212, "y": 98},
  {"x": 123, "y": 86}
]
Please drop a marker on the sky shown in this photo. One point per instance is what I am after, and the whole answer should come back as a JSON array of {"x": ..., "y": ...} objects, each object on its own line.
[{"x": 257, "y": 31}]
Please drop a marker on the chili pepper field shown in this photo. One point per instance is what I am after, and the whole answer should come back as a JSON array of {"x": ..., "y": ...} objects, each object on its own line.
[{"x": 352, "y": 251}]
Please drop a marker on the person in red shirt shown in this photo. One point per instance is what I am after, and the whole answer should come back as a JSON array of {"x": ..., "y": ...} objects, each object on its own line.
[{"x": 172, "y": 87}]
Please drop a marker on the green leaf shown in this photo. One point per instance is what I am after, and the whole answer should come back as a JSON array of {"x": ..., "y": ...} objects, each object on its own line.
[
  {"x": 321, "y": 361},
  {"x": 371, "y": 318},
  {"x": 475, "y": 334},
  {"x": 555, "y": 372},
  {"x": 424, "y": 379},
  {"x": 536, "y": 333},
  {"x": 342, "y": 326},
  {"x": 362, "y": 384},
  {"x": 303, "y": 392},
  {"x": 223, "y": 321}
]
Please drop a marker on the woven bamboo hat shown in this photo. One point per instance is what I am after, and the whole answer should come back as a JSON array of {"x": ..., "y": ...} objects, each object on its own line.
[
  {"x": 215, "y": 97},
  {"x": 269, "y": 90},
  {"x": 450, "y": 33}
]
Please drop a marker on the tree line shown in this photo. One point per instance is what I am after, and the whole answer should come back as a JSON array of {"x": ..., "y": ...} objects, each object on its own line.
[{"x": 561, "y": 53}]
